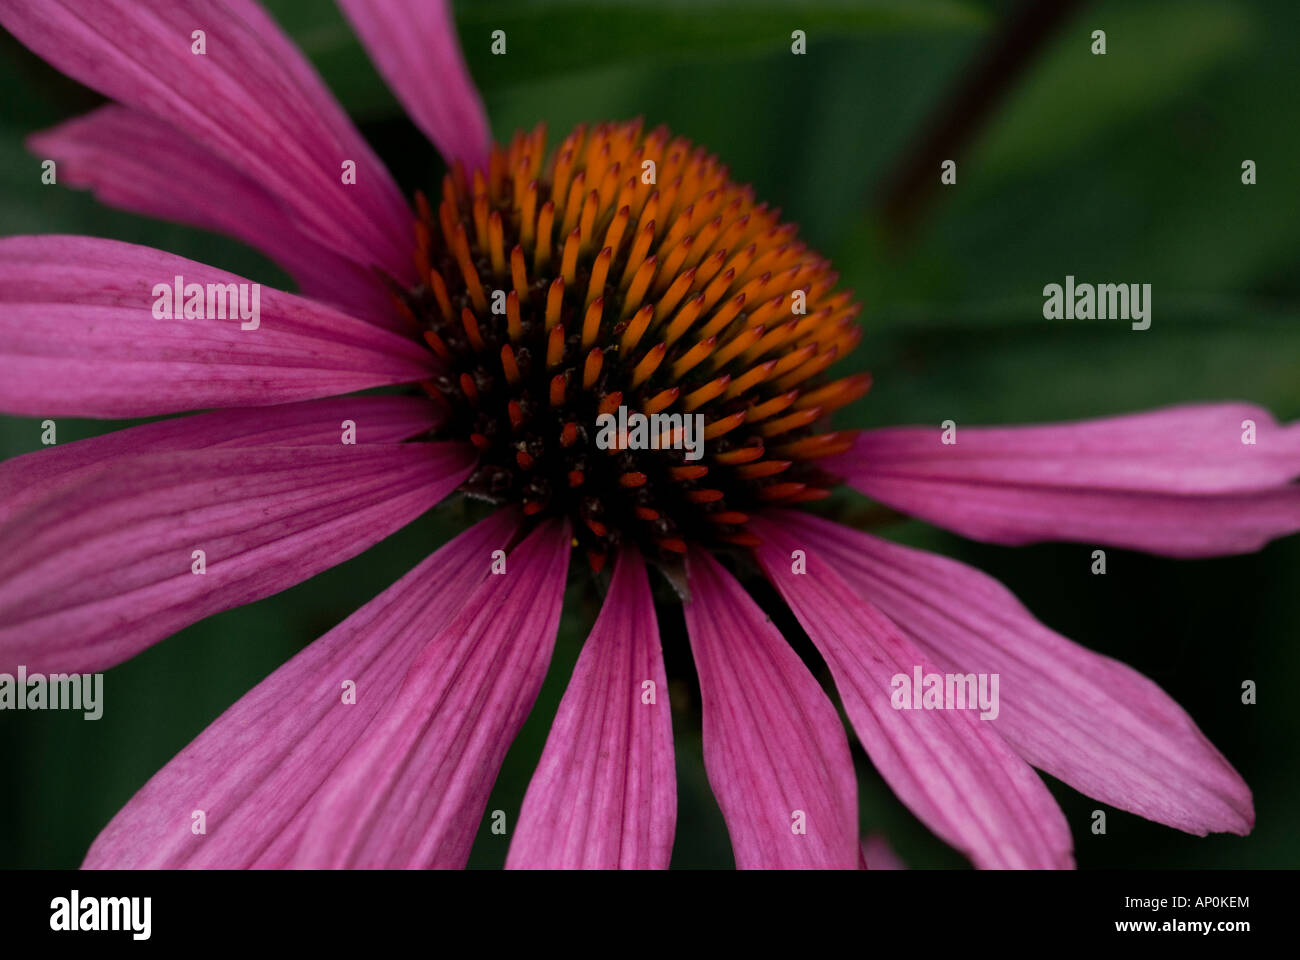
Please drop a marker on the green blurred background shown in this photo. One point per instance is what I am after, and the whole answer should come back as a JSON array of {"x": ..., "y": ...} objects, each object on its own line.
[{"x": 1117, "y": 168}]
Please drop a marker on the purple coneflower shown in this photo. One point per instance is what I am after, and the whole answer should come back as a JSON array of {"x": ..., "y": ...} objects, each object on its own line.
[{"x": 540, "y": 290}]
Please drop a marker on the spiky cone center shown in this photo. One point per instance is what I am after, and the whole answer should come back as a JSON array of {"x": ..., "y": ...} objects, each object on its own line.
[{"x": 629, "y": 271}]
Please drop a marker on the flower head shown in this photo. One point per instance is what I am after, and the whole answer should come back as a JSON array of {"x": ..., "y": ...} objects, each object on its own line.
[{"x": 557, "y": 295}]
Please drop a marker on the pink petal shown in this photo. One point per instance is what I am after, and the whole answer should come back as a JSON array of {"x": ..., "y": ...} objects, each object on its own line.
[
  {"x": 604, "y": 794},
  {"x": 382, "y": 419},
  {"x": 877, "y": 854},
  {"x": 414, "y": 45},
  {"x": 102, "y": 567},
  {"x": 1185, "y": 449},
  {"x": 1178, "y": 481},
  {"x": 251, "y": 99},
  {"x": 255, "y": 768},
  {"x": 136, "y": 162},
  {"x": 78, "y": 337},
  {"x": 413, "y": 794},
  {"x": 774, "y": 748},
  {"x": 948, "y": 766},
  {"x": 1090, "y": 721}
]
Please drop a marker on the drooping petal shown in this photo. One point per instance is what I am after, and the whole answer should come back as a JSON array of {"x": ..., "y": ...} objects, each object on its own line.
[
  {"x": 137, "y": 162},
  {"x": 378, "y": 419},
  {"x": 79, "y": 337},
  {"x": 774, "y": 747},
  {"x": 250, "y": 97},
  {"x": 253, "y": 771},
  {"x": 104, "y": 565},
  {"x": 1088, "y": 720},
  {"x": 413, "y": 44},
  {"x": 604, "y": 793},
  {"x": 414, "y": 791},
  {"x": 1179, "y": 482},
  {"x": 949, "y": 767}
]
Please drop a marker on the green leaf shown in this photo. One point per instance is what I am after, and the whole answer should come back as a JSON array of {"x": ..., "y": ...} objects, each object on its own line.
[
  {"x": 1119, "y": 168},
  {"x": 552, "y": 37},
  {"x": 562, "y": 37},
  {"x": 985, "y": 373},
  {"x": 1151, "y": 59}
]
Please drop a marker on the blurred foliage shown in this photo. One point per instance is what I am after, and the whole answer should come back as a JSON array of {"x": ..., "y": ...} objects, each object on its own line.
[{"x": 1117, "y": 168}]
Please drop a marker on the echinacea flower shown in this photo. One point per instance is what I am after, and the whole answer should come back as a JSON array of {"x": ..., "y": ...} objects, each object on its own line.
[{"x": 541, "y": 289}]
